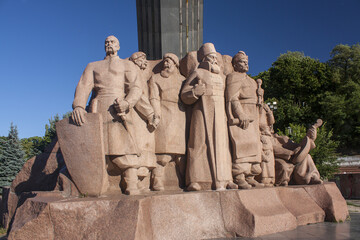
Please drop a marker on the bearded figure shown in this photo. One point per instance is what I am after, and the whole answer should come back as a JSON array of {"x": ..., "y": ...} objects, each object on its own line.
[
  {"x": 170, "y": 142},
  {"x": 209, "y": 159},
  {"x": 242, "y": 98}
]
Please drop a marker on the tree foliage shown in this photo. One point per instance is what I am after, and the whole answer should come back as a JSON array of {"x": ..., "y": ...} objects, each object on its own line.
[
  {"x": 306, "y": 89},
  {"x": 11, "y": 157}
]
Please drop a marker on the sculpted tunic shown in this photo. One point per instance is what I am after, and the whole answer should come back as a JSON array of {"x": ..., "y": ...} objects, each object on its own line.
[
  {"x": 209, "y": 157},
  {"x": 107, "y": 80},
  {"x": 170, "y": 134},
  {"x": 241, "y": 100}
]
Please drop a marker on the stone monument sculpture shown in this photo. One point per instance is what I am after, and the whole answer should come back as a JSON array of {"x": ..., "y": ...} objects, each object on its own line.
[
  {"x": 171, "y": 119},
  {"x": 293, "y": 163},
  {"x": 243, "y": 106},
  {"x": 135, "y": 125},
  {"x": 115, "y": 91},
  {"x": 208, "y": 160}
]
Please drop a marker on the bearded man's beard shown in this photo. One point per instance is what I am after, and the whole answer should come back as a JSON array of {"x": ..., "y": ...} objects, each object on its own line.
[
  {"x": 166, "y": 72},
  {"x": 215, "y": 68}
]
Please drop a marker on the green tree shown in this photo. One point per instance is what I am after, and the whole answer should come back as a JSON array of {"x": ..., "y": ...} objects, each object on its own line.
[
  {"x": 32, "y": 146},
  {"x": 294, "y": 81},
  {"x": 11, "y": 157}
]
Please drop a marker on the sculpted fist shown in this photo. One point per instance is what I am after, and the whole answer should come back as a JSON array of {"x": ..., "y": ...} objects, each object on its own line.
[
  {"x": 199, "y": 90},
  {"x": 121, "y": 105},
  {"x": 78, "y": 116},
  {"x": 153, "y": 122}
]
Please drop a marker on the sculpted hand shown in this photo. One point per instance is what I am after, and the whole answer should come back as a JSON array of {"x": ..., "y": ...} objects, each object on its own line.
[
  {"x": 121, "y": 105},
  {"x": 78, "y": 116},
  {"x": 244, "y": 122},
  {"x": 199, "y": 90},
  {"x": 153, "y": 122}
]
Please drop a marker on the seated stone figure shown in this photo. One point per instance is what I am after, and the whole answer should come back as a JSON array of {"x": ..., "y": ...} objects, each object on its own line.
[{"x": 293, "y": 163}]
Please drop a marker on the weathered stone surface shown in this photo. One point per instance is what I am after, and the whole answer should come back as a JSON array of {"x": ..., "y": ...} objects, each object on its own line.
[
  {"x": 301, "y": 205},
  {"x": 83, "y": 151},
  {"x": 195, "y": 215},
  {"x": 329, "y": 198},
  {"x": 40, "y": 173},
  {"x": 255, "y": 212}
]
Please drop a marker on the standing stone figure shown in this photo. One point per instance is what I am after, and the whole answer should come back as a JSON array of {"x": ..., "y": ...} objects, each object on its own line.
[
  {"x": 145, "y": 137},
  {"x": 170, "y": 113},
  {"x": 267, "y": 119},
  {"x": 243, "y": 113},
  {"x": 209, "y": 159},
  {"x": 115, "y": 91}
]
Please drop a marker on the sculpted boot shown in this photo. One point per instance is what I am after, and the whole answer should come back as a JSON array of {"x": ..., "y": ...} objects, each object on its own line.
[
  {"x": 250, "y": 180},
  {"x": 194, "y": 187},
  {"x": 131, "y": 180},
  {"x": 241, "y": 182},
  {"x": 157, "y": 174}
]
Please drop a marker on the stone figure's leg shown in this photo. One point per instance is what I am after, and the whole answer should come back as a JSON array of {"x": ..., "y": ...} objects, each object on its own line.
[
  {"x": 143, "y": 174},
  {"x": 239, "y": 170},
  {"x": 180, "y": 161},
  {"x": 306, "y": 172},
  {"x": 129, "y": 164},
  {"x": 283, "y": 171},
  {"x": 131, "y": 180},
  {"x": 158, "y": 172},
  {"x": 250, "y": 178}
]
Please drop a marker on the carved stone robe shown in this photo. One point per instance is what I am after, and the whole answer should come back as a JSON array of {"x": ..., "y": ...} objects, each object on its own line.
[
  {"x": 209, "y": 159},
  {"x": 241, "y": 101},
  {"x": 164, "y": 96}
]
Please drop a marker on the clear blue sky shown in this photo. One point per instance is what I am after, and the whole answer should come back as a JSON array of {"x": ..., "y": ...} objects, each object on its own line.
[{"x": 46, "y": 44}]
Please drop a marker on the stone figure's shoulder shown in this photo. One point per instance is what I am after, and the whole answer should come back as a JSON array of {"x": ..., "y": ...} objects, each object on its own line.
[
  {"x": 95, "y": 65},
  {"x": 128, "y": 65}
]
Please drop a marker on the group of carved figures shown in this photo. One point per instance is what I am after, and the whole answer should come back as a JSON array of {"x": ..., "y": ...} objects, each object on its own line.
[{"x": 212, "y": 123}]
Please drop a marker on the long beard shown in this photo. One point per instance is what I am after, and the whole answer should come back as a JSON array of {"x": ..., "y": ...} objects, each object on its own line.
[
  {"x": 166, "y": 73},
  {"x": 215, "y": 68}
]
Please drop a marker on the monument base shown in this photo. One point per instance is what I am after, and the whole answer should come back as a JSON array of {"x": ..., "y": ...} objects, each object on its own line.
[{"x": 178, "y": 215}]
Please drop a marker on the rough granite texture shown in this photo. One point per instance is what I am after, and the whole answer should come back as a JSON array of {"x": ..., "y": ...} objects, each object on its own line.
[{"x": 177, "y": 215}]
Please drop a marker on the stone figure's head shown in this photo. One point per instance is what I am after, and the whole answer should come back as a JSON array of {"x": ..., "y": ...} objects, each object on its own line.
[
  {"x": 171, "y": 61},
  {"x": 207, "y": 53},
  {"x": 139, "y": 58},
  {"x": 112, "y": 45},
  {"x": 241, "y": 62}
]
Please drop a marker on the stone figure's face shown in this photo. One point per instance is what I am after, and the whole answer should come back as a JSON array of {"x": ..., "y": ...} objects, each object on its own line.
[
  {"x": 141, "y": 62},
  {"x": 111, "y": 45},
  {"x": 211, "y": 58},
  {"x": 241, "y": 65},
  {"x": 169, "y": 65}
]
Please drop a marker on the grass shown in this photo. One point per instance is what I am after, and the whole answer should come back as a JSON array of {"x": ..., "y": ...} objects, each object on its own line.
[
  {"x": 352, "y": 204},
  {"x": 2, "y": 231}
]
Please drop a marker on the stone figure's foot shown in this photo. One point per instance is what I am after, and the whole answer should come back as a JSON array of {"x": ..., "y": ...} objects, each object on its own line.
[
  {"x": 158, "y": 188},
  {"x": 254, "y": 183},
  {"x": 284, "y": 183},
  {"x": 242, "y": 184},
  {"x": 132, "y": 191},
  {"x": 268, "y": 185},
  {"x": 232, "y": 185},
  {"x": 315, "y": 180},
  {"x": 221, "y": 186},
  {"x": 194, "y": 187}
]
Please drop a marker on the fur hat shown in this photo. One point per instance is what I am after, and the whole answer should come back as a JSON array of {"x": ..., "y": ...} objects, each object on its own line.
[
  {"x": 205, "y": 49},
  {"x": 172, "y": 57},
  {"x": 136, "y": 55}
]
